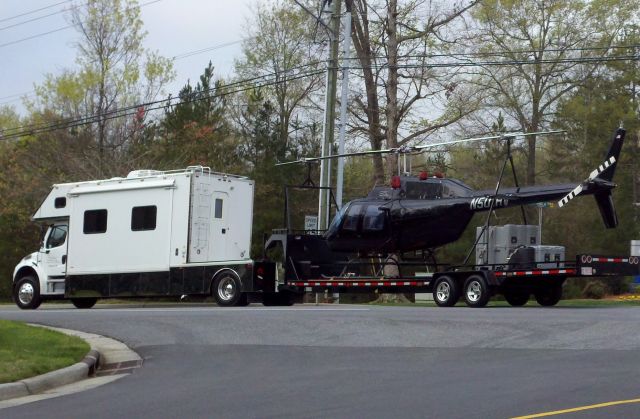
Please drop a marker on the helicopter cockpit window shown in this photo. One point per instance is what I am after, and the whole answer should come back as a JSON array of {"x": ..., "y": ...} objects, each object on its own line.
[
  {"x": 423, "y": 190},
  {"x": 352, "y": 218},
  {"x": 373, "y": 219}
]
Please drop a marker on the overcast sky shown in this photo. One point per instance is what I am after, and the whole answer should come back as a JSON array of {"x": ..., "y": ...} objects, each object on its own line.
[{"x": 174, "y": 27}]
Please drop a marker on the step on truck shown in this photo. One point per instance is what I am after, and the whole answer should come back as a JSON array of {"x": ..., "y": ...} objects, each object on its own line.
[{"x": 152, "y": 234}]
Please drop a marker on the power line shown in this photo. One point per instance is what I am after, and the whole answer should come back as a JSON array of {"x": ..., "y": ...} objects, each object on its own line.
[
  {"x": 132, "y": 110},
  {"x": 32, "y": 20},
  {"x": 35, "y": 11},
  {"x": 17, "y": 41}
]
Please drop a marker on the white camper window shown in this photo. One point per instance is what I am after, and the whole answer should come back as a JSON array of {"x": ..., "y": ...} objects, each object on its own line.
[
  {"x": 218, "y": 208},
  {"x": 144, "y": 218},
  {"x": 95, "y": 221}
]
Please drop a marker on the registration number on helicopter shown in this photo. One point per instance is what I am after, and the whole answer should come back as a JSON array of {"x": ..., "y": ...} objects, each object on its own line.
[{"x": 488, "y": 202}]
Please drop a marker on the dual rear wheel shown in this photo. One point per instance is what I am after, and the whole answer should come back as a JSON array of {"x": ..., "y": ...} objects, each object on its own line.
[{"x": 475, "y": 291}]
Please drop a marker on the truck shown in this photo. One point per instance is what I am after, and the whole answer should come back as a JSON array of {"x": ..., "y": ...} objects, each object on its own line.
[
  {"x": 150, "y": 234},
  {"x": 188, "y": 232}
]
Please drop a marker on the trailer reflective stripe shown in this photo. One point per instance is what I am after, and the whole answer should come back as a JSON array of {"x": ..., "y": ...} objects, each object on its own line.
[
  {"x": 354, "y": 283},
  {"x": 537, "y": 272},
  {"x": 615, "y": 260}
]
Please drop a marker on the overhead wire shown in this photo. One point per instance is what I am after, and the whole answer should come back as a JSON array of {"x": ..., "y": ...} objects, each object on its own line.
[
  {"x": 34, "y": 11},
  {"x": 148, "y": 106}
]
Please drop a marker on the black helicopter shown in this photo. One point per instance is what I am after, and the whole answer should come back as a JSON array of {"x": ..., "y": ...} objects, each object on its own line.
[{"x": 425, "y": 212}]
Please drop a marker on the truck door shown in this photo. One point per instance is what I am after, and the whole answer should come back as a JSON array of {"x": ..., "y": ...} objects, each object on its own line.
[
  {"x": 55, "y": 251},
  {"x": 219, "y": 226}
]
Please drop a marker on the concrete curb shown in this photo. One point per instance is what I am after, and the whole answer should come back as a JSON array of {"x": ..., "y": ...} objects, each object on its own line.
[{"x": 102, "y": 349}]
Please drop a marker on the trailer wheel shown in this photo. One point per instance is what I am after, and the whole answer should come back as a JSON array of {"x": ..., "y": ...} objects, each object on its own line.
[
  {"x": 476, "y": 291},
  {"x": 84, "y": 302},
  {"x": 516, "y": 297},
  {"x": 446, "y": 292},
  {"x": 227, "y": 290},
  {"x": 549, "y": 295},
  {"x": 26, "y": 293}
]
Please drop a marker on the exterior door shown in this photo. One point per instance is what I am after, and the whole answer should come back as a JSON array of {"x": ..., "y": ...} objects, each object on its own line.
[
  {"x": 219, "y": 226},
  {"x": 55, "y": 251},
  {"x": 201, "y": 214}
]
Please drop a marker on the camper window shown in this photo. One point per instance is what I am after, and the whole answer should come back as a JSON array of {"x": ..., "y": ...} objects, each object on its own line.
[
  {"x": 218, "y": 209},
  {"x": 143, "y": 218},
  {"x": 60, "y": 202},
  {"x": 57, "y": 236},
  {"x": 95, "y": 221}
]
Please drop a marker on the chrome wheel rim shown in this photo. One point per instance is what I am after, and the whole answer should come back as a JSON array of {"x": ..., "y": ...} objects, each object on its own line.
[
  {"x": 443, "y": 291},
  {"x": 226, "y": 289},
  {"x": 474, "y": 291},
  {"x": 25, "y": 293}
]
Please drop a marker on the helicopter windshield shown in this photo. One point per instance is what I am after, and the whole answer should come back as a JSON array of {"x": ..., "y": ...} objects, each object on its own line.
[{"x": 337, "y": 220}]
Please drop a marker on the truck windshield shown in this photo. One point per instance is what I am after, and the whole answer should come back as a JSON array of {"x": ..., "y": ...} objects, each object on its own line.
[{"x": 57, "y": 236}]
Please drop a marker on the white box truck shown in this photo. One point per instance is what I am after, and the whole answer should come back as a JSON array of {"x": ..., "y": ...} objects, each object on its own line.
[{"x": 153, "y": 233}]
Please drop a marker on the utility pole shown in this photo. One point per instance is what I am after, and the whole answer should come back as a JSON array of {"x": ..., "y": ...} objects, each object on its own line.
[
  {"x": 346, "y": 55},
  {"x": 329, "y": 115}
]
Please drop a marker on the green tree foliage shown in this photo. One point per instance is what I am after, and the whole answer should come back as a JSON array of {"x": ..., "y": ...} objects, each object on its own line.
[
  {"x": 196, "y": 130},
  {"x": 544, "y": 42}
]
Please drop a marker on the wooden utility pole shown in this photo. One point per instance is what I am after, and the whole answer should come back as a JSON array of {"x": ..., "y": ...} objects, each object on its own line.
[{"x": 329, "y": 116}]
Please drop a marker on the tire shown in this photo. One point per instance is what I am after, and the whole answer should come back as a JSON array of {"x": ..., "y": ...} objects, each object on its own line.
[
  {"x": 516, "y": 297},
  {"x": 226, "y": 290},
  {"x": 84, "y": 302},
  {"x": 549, "y": 296},
  {"x": 26, "y": 293},
  {"x": 446, "y": 292},
  {"x": 271, "y": 299},
  {"x": 476, "y": 291}
]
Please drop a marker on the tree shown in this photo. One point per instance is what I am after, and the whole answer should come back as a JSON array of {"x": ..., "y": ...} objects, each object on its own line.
[
  {"x": 114, "y": 73},
  {"x": 394, "y": 43},
  {"x": 280, "y": 53},
  {"x": 549, "y": 47},
  {"x": 196, "y": 130}
]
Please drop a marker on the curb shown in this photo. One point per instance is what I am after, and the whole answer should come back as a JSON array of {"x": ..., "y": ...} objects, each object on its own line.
[
  {"x": 102, "y": 351},
  {"x": 49, "y": 380}
]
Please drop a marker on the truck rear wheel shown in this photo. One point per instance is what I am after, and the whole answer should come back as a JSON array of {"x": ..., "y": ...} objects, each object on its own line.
[
  {"x": 26, "y": 293},
  {"x": 84, "y": 302},
  {"x": 549, "y": 296},
  {"x": 446, "y": 292},
  {"x": 516, "y": 297},
  {"x": 476, "y": 291},
  {"x": 227, "y": 290}
]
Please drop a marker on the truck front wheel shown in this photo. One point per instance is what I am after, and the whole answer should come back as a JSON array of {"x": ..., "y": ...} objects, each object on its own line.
[
  {"x": 26, "y": 293},
  {"x": 84, "y": 302},
  {"x": 227, "y": 290}
]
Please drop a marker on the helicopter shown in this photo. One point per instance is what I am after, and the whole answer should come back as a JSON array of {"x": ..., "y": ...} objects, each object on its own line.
[{"x": 428, "y": 211}]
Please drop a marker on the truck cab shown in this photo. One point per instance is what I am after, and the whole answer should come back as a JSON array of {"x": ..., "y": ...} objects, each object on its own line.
[{"x": 41, "y": 274}]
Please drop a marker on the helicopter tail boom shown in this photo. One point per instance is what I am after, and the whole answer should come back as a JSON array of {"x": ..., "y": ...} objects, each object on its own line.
[{"x": 600, "y": 182}]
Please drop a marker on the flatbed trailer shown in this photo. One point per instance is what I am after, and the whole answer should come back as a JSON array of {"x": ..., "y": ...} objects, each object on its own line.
[{"x": 315, "y": 270}]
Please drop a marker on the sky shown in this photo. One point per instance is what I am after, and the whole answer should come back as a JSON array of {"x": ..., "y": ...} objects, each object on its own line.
[{"x": 174, "y": 27}]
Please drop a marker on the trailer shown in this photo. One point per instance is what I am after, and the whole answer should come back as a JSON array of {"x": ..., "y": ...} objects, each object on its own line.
[
  {"x": 308, "y": 265},
  {"x": 151, "y": 234}
]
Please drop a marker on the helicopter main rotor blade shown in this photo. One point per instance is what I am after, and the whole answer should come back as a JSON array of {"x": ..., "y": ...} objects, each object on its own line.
[
  {"x": 410, "y": 149},
  {"x": 491, "y": 137}
]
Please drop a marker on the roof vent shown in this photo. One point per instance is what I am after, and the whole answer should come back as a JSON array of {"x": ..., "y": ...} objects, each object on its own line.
[{"x": 143, "y": 173}]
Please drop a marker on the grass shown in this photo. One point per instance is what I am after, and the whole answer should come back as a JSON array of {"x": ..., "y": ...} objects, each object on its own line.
[{"x": 27, "y": 351}]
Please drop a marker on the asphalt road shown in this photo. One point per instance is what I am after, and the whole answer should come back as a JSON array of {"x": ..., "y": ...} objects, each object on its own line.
[{"x": 352, "y": 362}]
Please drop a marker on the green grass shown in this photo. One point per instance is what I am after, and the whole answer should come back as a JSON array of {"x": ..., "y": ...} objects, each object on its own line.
[{"x": 27, "y": 351}]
